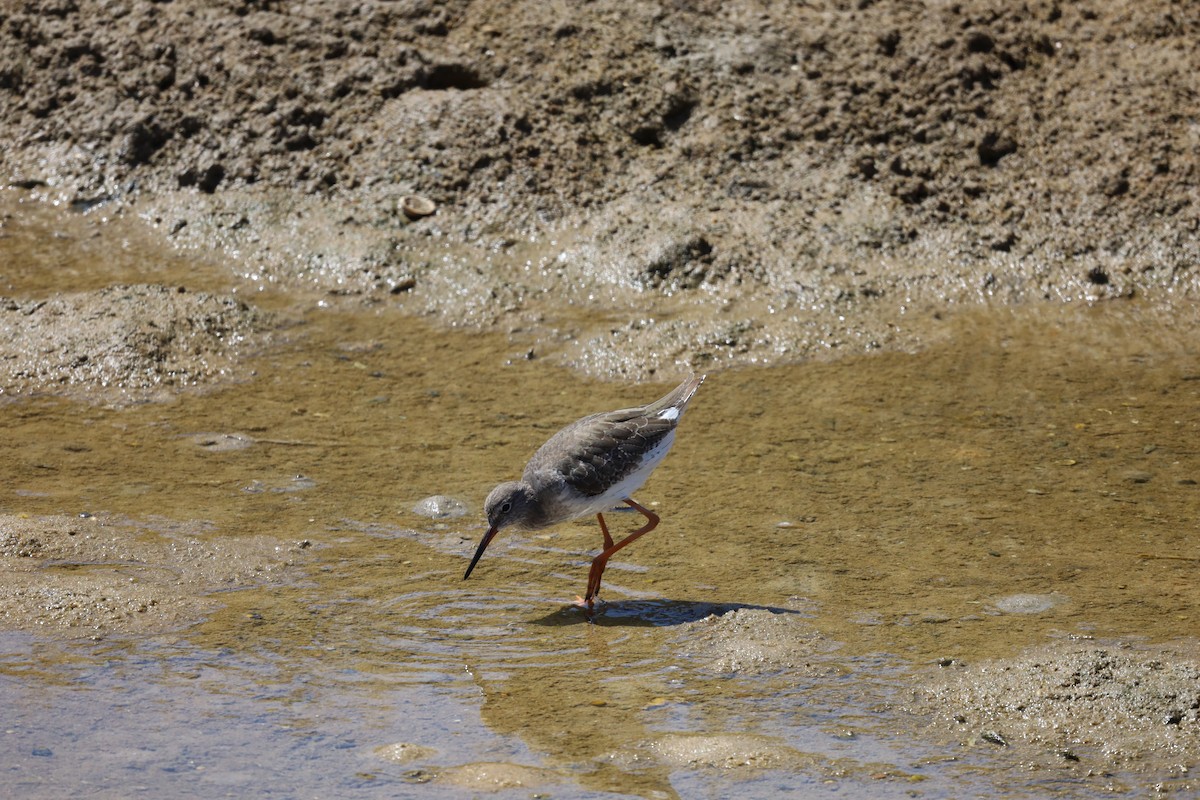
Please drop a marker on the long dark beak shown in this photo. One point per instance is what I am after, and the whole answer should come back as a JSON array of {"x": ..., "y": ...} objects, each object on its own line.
[{"x": 487, "y": 537}]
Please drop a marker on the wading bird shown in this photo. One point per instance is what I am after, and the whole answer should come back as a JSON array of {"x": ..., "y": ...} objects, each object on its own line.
[{"x": 589, "y": 467}]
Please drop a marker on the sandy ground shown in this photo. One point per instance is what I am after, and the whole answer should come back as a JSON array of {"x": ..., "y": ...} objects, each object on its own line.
[{"x": 622, "y": 186}]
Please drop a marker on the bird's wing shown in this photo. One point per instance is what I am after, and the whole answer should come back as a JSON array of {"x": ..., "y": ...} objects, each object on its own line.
[{"x": 599, "y": 451}]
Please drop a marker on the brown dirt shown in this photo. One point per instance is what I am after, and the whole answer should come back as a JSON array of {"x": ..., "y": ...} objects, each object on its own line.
[{"x": 732, "y": 183}]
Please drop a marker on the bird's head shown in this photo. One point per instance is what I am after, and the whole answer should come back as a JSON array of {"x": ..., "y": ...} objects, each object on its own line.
[{"x": 509, "y": 504}]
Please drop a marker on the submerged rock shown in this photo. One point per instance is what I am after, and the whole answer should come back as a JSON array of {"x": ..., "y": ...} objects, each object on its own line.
[{"x": 439, "y": 506}]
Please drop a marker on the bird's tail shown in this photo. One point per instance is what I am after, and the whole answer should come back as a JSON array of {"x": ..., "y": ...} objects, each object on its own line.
[{"x": 679, "y": 396}]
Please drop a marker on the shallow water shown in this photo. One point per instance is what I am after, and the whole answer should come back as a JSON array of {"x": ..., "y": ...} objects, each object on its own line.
[{"x": 1031, "y": 478}]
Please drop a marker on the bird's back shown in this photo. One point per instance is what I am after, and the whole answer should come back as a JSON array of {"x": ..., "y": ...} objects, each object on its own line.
[{"x": 607, "y": 456}]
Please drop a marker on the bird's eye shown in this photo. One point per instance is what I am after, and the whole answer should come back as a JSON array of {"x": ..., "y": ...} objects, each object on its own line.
[{"x": 505, "y": 508}]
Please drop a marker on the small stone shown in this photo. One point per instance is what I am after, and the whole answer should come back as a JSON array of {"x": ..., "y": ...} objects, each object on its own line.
[
  {"x": 416, "y": 206},
  {"x": 403, "y": 752},
  {"x": 1025, "y": 603},
  {"x": 994, "y": 738},
  {"x": 405, "y": 284},
  {"x": 439, "y": 506}
]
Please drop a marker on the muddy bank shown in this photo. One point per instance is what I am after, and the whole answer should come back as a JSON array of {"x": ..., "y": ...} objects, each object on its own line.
[
  {"x": 126, "y": 344},
  {"x": 94, "y": 577},
  {"x": 734, "y": 184},
  {"x": 1088, "y": 707}
]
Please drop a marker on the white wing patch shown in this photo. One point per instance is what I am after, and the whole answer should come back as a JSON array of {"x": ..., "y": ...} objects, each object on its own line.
[{"x": 671, "y": 414}]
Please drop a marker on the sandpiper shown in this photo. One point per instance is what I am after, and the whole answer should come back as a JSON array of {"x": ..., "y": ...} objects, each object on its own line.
[{"x": 589, "y": 467}]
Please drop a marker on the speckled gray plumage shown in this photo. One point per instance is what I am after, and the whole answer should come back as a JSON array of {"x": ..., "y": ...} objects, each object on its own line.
[{"x": 598, "y": 451}]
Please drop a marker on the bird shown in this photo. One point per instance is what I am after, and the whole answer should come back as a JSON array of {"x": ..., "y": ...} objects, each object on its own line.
[{"x": 589, "y": 467}]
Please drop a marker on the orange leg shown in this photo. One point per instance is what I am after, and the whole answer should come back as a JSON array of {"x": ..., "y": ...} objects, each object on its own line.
[
  {"x": 601, "y": 560},
  {"x": 608, "y": 542}
]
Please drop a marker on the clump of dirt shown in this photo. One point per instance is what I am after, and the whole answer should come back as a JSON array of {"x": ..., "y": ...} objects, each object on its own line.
[
  {"x": 92, "y": 576},
  {"x": 758, "y": 642},
  {"x": 124, "y": 344},
  {"x": 726, "y": 751},
  {"x": 487, "y": 776},
  {"x": 790, "y": 179},
  {"x": 1116, "y": 705}
]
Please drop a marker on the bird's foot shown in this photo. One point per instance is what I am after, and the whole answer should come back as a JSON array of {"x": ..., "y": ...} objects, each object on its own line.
[{"x": 588, "y": 606}]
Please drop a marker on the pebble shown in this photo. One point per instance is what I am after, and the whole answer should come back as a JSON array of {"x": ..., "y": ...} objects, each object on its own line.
[
  {"x": 403, "y": 752},
  {"x": 439, "y": 506},
  {"x": 221, "y": 442},
  {"x": 416, "y": 206},
  {"x": 1025, "y": 603}
]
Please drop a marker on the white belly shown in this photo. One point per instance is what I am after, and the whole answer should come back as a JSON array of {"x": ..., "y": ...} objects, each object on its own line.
[{"x": 618, "y": 492}]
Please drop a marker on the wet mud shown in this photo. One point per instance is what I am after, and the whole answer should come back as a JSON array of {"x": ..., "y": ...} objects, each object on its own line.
[
  {"x": 1071, "y": 702},
  {"x": 122, "y": 344},
  {"x": 89, "y": 576}
]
